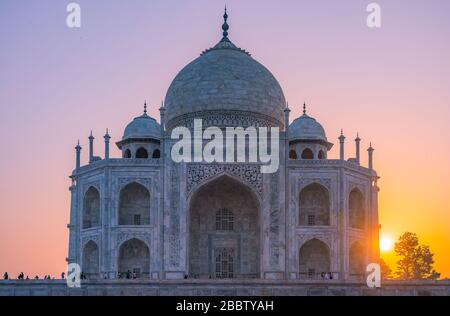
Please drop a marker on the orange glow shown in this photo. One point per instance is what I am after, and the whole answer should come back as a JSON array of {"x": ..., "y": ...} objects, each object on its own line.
[{"x": 386, "y": 243}]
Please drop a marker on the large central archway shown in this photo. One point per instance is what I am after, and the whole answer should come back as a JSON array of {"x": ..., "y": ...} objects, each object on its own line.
[{"x": 224, "y": 231}]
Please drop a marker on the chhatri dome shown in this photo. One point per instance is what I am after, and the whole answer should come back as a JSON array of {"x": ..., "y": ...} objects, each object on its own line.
[
  {"x": 306, "y": 128},
  {"x": 143, "y": 126},
  {"x": 225, "y": 80}
]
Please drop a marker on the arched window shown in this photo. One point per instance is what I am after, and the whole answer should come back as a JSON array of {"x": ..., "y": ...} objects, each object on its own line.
[
  {"x": 142, "y": 153},
  {"x": 134, "y": 259},
  {"x": 127, "y": 154},
  {"x": 292, "y": 154},
  {"x": 314, "y": 206},
  {"x": 91, "y": 260},
  {"x": 224, "y": 220},
  {"x": 356, "y": 260},
  {"x": 356, "y": 209},
  {"x": 224, "y": 263},
  {"x": 321, "y": 154},
  {"x": 314, "y": 260},
  {"x": 307, "y": 154},
  {"x": 134, "y": 205},
  {"x": 91, "y": 208},
  {"x": 156, "y": 154}
]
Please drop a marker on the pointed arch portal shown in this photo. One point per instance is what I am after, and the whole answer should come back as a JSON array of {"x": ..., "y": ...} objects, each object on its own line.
[
  {"x": 91, "y": 260},
  {"x": 224, "y": 231},
  {"x": 314, "y": 259},
  {"x": 134, "y": 259}
]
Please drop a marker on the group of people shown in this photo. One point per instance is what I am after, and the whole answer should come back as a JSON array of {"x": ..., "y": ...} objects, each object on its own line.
[
  {"x": 21, "y": 276},
  {"x": 326, "y": 276},
  {"x": 83, "y": 276},
  {"x": 127, "y": 275}
]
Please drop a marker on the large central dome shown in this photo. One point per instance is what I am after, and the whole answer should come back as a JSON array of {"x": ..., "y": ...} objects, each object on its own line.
[{"x": 225, "y": 86}]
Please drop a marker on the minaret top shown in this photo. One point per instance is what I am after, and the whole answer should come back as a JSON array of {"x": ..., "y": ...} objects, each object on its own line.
[{"x": 286, "y": 108}]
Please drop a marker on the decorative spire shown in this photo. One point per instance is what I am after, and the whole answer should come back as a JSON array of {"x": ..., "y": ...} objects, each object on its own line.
[
  {"x": 107, "y": 138},
  {"x": 370, "y": 150},
  {"x": 341, "y": 142},
  {"x": 287, "y": 107},
  {"x": 77, "y": 156},
  {"x": 145, "y": 108},
  {"x": 342, "y": 137},
  {"x": 357, "y": 143},
  {"x": 225, "y": 26},
  {"x": 304, "y": 108},
  {"x": 91, "y": 147},
  {"x": 225, "y": 42}
]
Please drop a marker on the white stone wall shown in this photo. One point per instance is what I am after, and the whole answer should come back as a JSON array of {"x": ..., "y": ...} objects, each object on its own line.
[{"x": 171, "y": 185}]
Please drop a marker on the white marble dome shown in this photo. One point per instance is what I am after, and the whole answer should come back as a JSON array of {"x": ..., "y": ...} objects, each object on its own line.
[
  {"x": 225, "y": 79},
  {"x": 142, "y": 126},
  {"x": 306, "y": 128}
]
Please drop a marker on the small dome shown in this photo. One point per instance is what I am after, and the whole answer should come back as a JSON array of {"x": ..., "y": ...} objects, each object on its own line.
[
  {"x": 143, "y": 126},
  {"x": 306, "y": 128}
]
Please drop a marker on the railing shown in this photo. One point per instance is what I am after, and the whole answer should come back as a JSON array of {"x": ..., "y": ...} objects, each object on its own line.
[
  {"x": 118, "y": 162},
  {"x": 325, "y": 276},
  {"x": 250, "y": 276},
  {"x": 331, "y": 162}
]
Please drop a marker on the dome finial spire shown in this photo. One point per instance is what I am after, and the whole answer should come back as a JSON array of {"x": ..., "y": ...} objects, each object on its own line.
[
  {"x": 145, "y": 107},
  {"x": 304, "y": 108},
  {"x": 225, "y": 25}
]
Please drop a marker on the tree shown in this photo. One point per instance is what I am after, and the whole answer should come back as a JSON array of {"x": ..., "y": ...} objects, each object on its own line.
[
  {"x": 416, "y": 260},
  {"x": 386, "y": 271}
]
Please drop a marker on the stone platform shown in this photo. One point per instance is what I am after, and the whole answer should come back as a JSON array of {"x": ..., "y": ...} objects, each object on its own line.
[{"x": 221, "y": 288}]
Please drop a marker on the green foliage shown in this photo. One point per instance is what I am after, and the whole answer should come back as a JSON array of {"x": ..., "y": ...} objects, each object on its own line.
[{"x": 416, "y": 260}]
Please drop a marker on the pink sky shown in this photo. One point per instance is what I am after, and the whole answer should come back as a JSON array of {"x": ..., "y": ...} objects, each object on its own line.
[{"x": 56, "y": 84}]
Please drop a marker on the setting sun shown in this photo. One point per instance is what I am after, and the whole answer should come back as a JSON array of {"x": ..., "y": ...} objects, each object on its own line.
[{"x": 386, "y": 243}]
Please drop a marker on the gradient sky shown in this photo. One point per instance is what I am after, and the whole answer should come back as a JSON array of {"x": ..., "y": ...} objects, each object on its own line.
[{"x": 56, "y": 84}]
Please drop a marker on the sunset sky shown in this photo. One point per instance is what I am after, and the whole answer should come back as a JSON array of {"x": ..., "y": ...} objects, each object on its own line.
[{"x": 392, "y": 85}]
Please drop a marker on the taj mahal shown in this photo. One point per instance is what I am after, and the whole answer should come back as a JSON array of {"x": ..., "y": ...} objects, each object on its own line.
[{"x": 145, "y": 215}]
